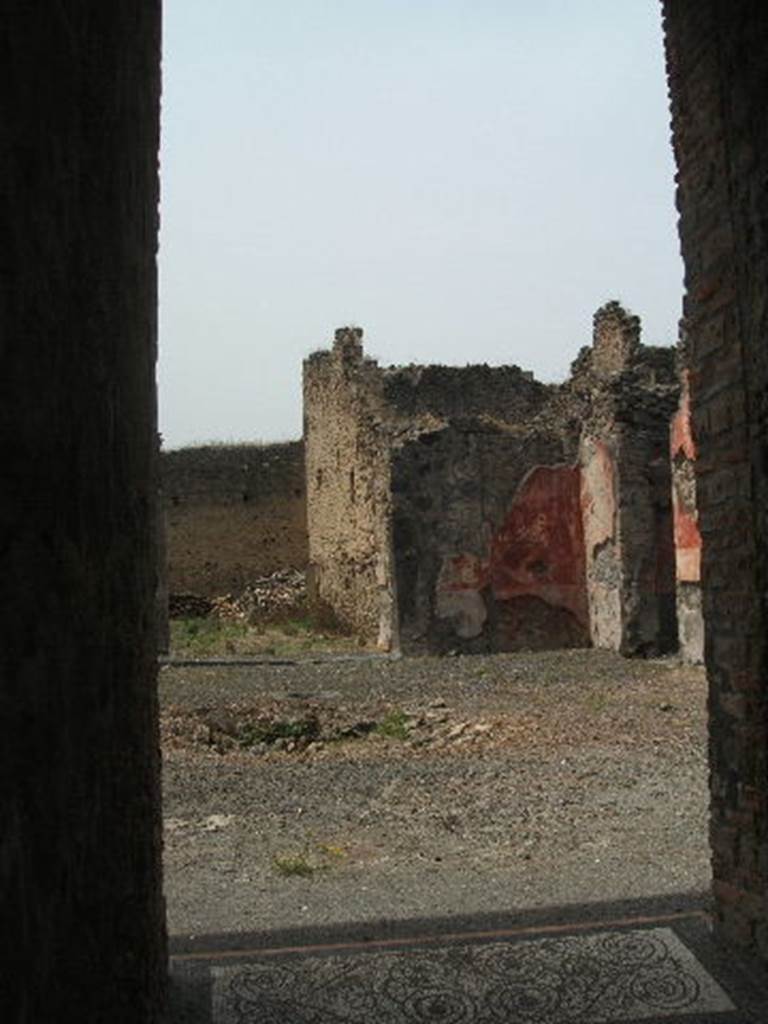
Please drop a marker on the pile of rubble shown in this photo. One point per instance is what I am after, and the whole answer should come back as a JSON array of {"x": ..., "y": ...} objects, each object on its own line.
[
  {"x": 271, "y": 726},
  {"x": 276, "y": 596}
]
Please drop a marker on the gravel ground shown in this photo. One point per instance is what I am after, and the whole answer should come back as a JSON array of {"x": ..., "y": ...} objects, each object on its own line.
[{"x": 352, "y": 791}]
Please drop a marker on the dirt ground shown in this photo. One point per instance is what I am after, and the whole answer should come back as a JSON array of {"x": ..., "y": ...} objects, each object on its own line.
[{"x": 361, "y": 789}]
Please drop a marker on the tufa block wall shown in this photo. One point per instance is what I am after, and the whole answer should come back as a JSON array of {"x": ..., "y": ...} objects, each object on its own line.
[{"x": 233, "y": 513}]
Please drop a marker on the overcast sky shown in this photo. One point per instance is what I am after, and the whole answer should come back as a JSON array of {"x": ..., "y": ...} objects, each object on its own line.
[{"x": 468, "y": 180}]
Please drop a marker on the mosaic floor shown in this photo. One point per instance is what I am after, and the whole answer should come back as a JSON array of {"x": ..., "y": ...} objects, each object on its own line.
[{"x": 595, "y": 978}]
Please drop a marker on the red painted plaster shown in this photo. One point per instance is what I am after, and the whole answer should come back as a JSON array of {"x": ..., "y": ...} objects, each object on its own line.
[
  {"x": 464, "y": 572},
  {"x": 539, "y": 550},
  {"x": 686, "y": 527},
  {"x": 687, "y": 544},
  {"x": 681, "y": 434}
]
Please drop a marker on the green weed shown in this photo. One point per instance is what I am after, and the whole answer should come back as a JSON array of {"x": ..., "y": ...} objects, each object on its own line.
[
  {"x": 271, "y": 731},
  {"x": 393, "y": 725},
  {"x": 308, "y": 861},
  {"x": 212, "y": 637},
  {"x": 294, "y": 865}
]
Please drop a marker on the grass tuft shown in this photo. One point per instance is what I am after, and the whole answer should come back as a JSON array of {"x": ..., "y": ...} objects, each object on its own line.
[
  {"x": 393, "y": 725},
  {"x": 294, "y": 865}
]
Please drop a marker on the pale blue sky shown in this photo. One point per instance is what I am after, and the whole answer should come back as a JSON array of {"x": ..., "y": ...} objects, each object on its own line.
[{"x": 468, "y": 181}]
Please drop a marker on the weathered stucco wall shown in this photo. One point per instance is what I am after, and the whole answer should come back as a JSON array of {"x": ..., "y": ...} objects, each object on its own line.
[
  {"x": 480, "y": 562},
  {"x": 601, "y": 540},
  {"x": 80, "y": 870},
  {"x": 537, "y": 570},
  {"x": 686, "y": 528},
  {"x": 631, "y": 393},
  {"x": 233, "y": 513},
  {"x": 348, "y": 489},
  {"x": 718, "y": 80},
  {"x": 486, "y": 554},
  {"x": 418, "y": 465}
]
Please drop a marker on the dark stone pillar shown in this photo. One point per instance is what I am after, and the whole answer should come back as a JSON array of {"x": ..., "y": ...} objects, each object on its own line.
[
  {"x": 718, "y": 78},
  {"x": 80, "y": 868}
]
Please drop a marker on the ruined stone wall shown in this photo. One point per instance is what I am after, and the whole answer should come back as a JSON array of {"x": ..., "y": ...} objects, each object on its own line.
[
  {"x": 505, "y": 394},
  {"x": 487, "y": 540},
  {"x": 348, "y": 489},
  {"x": 233, "y": 513},
  {"x": 615, "y": 341},
  {"x": 718, "y": 79},
  {"x": 646, "y": 529},
  {"x": 496, "y": 482},
  {"x": 357, "y": 415},
  {"x": 630, "y": 392},
  {"x": 80, "y": 871}
]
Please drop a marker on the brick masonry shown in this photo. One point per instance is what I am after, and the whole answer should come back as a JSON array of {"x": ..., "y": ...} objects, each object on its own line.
[{"x": 718, "y": 79}]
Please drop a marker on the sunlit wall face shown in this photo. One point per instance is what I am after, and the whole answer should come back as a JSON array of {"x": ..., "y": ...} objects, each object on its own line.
[{"x": 468, "y": 181}]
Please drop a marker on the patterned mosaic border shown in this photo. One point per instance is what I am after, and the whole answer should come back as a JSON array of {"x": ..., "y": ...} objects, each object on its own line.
[{"x": 596, "y": 978}]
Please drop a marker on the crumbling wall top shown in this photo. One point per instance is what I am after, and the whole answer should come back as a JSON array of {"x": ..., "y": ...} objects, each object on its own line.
[
  {"x": 505, "y": 393},
  {"x": 617, "y": 359},
  {"x": 615, "y": 339},
  {"x": 348, "y": 344},
  {"x": 347, "y": 349}
]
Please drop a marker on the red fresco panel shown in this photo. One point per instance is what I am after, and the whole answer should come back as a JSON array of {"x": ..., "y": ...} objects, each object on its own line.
[{"x": 539, "y": 550}]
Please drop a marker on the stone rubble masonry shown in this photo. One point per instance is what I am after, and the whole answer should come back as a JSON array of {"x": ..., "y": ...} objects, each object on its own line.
[
  {"x": 233, "y": 513},
  {"x": 718, "y": 79},
  {"x": 475, "y": 508},
  {"x": 348, "y": 489},
  {"x": 631, "y": 393}
]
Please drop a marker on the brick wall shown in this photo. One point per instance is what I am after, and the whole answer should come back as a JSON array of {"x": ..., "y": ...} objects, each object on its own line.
[{"x": 718, "y": 79}]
